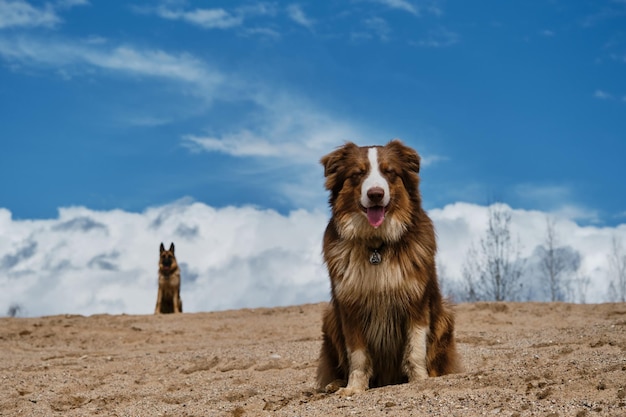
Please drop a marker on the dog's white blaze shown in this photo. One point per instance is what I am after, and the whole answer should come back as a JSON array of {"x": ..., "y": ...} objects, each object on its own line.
[
  {"x": 415, "y": 360},
  {"x": 374, "y": 179}
]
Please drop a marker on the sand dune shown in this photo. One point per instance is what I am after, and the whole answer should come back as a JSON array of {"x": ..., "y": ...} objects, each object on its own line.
[{"x": 520, "y": 359}]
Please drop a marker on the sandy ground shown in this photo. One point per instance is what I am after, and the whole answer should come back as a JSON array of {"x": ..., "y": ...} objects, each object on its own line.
[{"x": 521, "y": 359}]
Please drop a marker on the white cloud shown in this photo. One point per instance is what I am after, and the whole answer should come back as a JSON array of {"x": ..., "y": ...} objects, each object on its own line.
[
  {"x": 602, "y": 95},
  {"x": 438, "y": 38},
  {"x": 216, "y": 18},
  {"x": 281, "y": 124},
  {"x": 262, "y": 32},
  {"x": 554, "y": 198},
  {"x": 89, "y": 262},
  {"x": 70, "y": 3},
  {"x": 289, "y": 129},
  {"x": 295, "y": 13},
  {"x": 75, "y": 56},
  {"x": 379, "y": 26},
  {"x": 543, "y": 192},
  {"x": 21, "y": 14},
  {"x": 153, "y": 63},
  {"x": 578, "y": 213},
  {"x": 403, "y": 5},
  {"x": 243, "y": 143},
  {"x": 461, "y": 224},
  {"x": 206, "y": 18},
  {"x": 429, "y": 160}
]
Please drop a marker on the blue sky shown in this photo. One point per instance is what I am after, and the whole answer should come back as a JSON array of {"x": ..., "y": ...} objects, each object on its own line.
[
  {"x": 125, "y": 124},
  {"x": 129, "y": 104}
]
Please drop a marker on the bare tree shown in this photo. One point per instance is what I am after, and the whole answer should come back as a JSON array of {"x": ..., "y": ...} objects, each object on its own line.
[
  {"x": 493, "y": 271},
  {"x": 442, "y": 278},
  {"x": 581, "y": 283},
  {"x": 450, "y": 288},
  {"x": 617, "y": 268},
  {"x": 14, "y": 310},
  {"x": 471, "y": 270},
  {"x": 555, "y": 263},
  {"x": 551, "y": 264}
]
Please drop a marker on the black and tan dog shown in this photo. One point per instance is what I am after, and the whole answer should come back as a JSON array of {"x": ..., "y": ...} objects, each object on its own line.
[{"x": 168, "y": 299}]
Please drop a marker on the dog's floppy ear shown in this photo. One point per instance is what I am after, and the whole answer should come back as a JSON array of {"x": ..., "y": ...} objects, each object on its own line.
[
  {"x": 162, "y": 248},
  {"x": 407, "y": 155},
  {"x": 172, "y": 247},
  {"x": 333, "y": 163}
]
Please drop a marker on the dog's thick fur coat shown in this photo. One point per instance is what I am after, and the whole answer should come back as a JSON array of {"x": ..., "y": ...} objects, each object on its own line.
[
  {"x": 168, "y": 298},
  {"x": 386, "y": 322}
]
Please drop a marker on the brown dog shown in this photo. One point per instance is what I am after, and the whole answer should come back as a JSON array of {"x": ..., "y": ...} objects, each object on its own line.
[
  {"x": 386, "y": 322},
  {"x": 168, "y": 299}
]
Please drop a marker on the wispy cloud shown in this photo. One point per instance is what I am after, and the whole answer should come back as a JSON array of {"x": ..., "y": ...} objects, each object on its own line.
[
  {"x": 379, "y": 26},
  {"x": 546, "y": 193},
  {"x": 614, "y": 11},
  {"x": 261, "y": 32},
  {"x": 402, "y": 5},
  {"x": 277, "y": 125},
  {"x": 438, "y": 38},
  {"x": 415, "y": 8},
  {"x": 295, "y": 13},
  {"x": 289, "y": 129},
  {"x": 556, "y": 199},
  {"x": 602, "y": 95},
  {"x": 214, "y": 18},
  {"x": 125, "y": 59},
  {"x": 20, "y": 13},
  {"x": 242, "y": 143},
  {"x": 70, "y": 3},
  {"x": 428, "y": 160},
  {"x": 206, "y": 18}
]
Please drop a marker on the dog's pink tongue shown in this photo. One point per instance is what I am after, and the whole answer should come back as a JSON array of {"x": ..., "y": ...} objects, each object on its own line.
[{"x": 376, "y": 215}]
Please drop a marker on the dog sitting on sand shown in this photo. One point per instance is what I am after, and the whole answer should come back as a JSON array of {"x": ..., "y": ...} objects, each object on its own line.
[
  {"x": 168, "y": 298},
  {"x": 387, "y": 322}
]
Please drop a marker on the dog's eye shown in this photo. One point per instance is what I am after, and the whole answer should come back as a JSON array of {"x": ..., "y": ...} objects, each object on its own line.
[
  {"x": 391, "y": 173},
  {"x": 356, "y": 174}
]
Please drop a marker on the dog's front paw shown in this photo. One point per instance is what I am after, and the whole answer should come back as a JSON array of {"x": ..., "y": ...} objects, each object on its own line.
[
  {"x": 334, "y": 386},
  {"x": 418, "y": 375},
  {"x": 350, "y": 391}
]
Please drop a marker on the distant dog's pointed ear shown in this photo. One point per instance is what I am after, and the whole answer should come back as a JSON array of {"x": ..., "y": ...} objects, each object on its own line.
[
  {"x": 172, "y": 247},
  {"x": 162, "y": 248},
  {"x": 333, "y": 163},
  {"x": 407, "y": 155}
]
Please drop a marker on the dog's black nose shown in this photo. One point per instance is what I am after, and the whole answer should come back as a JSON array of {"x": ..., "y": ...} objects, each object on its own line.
[{"x": 375, "y": 194}]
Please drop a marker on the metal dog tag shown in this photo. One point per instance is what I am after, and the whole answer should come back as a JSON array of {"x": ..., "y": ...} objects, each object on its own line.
[{"x": 375, "y": 257}]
